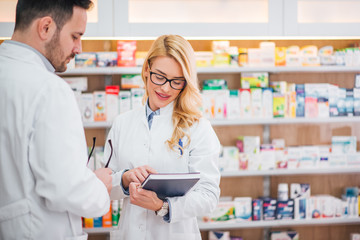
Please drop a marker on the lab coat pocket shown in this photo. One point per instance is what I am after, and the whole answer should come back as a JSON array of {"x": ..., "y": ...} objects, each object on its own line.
[{"x": 15, "y": 220}]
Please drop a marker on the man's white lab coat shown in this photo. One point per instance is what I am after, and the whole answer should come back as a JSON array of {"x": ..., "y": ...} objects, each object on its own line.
[{"x": 45, "y": 185}]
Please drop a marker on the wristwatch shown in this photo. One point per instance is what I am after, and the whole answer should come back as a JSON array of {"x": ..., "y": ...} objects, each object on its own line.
[{"x": 163, "y": 210}]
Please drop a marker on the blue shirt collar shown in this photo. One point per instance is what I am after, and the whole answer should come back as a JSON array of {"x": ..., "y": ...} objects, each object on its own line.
[{"x": 149, "y": 111}]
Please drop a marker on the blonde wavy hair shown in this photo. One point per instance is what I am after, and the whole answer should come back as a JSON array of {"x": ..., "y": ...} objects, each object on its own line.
[{"x": 187, "y": 104}]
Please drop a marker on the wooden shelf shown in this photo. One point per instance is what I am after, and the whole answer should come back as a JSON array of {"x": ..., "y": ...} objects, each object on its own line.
[
  {"x": 204, "y": 70},
  {"x": 253, "y": 224},
  {"x": 276, "y": 223},
  {"x": 255, "y": 121},
  {"x": 283, "y": 172}
]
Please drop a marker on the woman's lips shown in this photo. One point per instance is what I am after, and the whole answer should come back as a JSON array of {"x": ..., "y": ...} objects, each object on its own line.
[{"x": 162, "y": 96}]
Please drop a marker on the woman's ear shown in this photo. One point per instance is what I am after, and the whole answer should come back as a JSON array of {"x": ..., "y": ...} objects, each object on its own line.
[{"x": 46, "y": 28}]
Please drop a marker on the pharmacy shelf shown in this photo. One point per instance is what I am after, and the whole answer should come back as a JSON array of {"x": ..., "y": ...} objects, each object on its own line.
[
  {"x": 276, "y": 223},
  {"x": 278, "y": 69},
  {"x": 102, "y": 71},
  {"x": 274, "y": 121},
  {"x": 254, "y": 224},
  {"x": 89, "y": 125},
  {"x": 254, "y": 121},
  {"x": 204, "y": 70},
  {"x": 99, "y": 230},
  {"x": 282, "y": 172}
]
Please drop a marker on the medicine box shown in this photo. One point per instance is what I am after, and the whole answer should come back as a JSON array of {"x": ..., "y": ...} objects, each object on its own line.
[
  {"x": 356, "y": 101},
  {"x": 254, "y": 80},
  {"x": 300, "y": 190},
  {"x": 136, "y": 97},
  {"x": 269, "y": 208},
  {"x": 112, "y": 102},
  {"x": 256, "y": 102},
  {"x": 267, "y": 103},
  {"x": 300, "y": 100},
  {"x": 278, "y": 105},
  {"x": 285, "y": 209},
  {"x": 131, "y": 81},
  {"x": 85, "y": 59},
  {"x": 99, "y": 106},
  {"x": 257, "y": 209},
  {"x": 243, "y": 207},
  {"x": 343, "y": 144},
  {"x": 87, "y": 107},
  {"x": 124, "y": 101},
  {"x": 107, "y": 59},
  {"x": 224, "y": 211},
  {"x": 286, "y": 235}
]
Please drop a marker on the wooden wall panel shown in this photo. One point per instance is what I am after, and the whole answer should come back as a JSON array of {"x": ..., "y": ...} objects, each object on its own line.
[
  {"x": 314, "y": 134},
  {"x": 242, "y": 187},
  {"x": 228, "y": 134},
  {"x": 344, "y": 80},
  {"x": 332, "y": 184}
]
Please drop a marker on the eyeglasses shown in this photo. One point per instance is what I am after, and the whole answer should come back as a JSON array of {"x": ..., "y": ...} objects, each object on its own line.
[
  {"x": 92, "y": 149},
  {"x": 158, "y": 79}
]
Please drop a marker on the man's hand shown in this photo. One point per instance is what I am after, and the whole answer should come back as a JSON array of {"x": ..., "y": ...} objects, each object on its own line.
[
  {"x": 104, "y": 174},
  {"x": 144, "y": 198},
  {"x": 136, "y": 175}
]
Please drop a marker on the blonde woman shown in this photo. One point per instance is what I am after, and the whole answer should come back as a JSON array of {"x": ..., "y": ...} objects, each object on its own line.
[{"x": 167, "y": 135}]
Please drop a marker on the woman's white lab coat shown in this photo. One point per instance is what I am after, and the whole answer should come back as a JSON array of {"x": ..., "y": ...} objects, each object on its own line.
[
  {"x": 135, "y": 145},
  {"x": 45, "y": 185}
]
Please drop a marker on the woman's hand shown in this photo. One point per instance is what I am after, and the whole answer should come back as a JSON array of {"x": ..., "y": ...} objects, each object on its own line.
[
  {"x": 136, "y": 175},
  {"x": 144, "y": 198}
]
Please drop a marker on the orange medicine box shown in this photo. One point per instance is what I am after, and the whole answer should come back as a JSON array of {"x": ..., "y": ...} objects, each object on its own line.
[{"x": 107, "y": 220}]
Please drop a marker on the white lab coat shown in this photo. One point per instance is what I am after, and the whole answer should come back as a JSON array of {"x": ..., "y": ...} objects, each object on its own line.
[
  {"x": 45, "y": 185},
  {"x": 135, "y": 145}
]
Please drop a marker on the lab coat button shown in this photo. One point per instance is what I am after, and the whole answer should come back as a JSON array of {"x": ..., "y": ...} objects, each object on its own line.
[{"x": 141, "y": 227}]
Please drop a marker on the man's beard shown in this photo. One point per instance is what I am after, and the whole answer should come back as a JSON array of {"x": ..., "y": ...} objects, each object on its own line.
[{"x": 55, "y": 54}]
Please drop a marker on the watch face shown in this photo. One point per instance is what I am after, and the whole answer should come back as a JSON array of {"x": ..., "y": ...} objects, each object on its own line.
[{"x": 164, "y": 209}]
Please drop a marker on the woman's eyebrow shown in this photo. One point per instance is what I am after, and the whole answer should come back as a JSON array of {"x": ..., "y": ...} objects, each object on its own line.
[{"x": 166, "y": 74}]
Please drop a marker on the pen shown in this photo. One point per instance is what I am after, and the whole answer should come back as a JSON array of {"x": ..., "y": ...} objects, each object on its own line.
[{"x": 181, "y": 145}]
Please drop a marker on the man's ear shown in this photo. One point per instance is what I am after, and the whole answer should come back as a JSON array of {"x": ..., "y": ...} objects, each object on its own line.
[{"x": 46, "y": 28}]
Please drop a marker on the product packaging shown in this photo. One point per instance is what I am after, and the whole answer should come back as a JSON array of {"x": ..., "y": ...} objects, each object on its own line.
[
  {"x": 257, "y": 209},
  {"x": 233, "y": 105},
  {"x": 278, "y": 105},
  {"x": 269, "y": 208},
  {"x": 112, "y": 102},
  {"x": 87, "y": 107},
  {"x": 285, "y": 210},
  {"x": 126, "y": 53},
  {"x": 254, "y": 80},
  {"x": 136, "y": 97},
  {"x": 107, "y": 221},
  {"x": 107, "y": 59},
  {"x": 256, "y": 102},
  {"x": 243, "y": 207},
  {"x": 300, "y": 100},
  {"x": 100, "y": 106},
  {"x": 286, "y": 235},
  {"x": 267, "y": 103},
  {"x": 85, "y": 59},
  {"x": 245, "y": 103},
  {"x": 124, "y": 101}
]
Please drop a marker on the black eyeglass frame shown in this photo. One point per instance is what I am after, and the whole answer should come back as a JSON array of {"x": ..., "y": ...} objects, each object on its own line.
[{"x": 167, "y": 80}]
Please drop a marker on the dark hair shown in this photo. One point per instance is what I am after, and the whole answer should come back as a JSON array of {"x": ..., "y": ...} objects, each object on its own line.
[{"x": 59, "y": 10}]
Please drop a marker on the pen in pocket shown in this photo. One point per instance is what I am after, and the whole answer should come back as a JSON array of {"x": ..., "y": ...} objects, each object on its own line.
[{"x": 181, "y": 145}]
